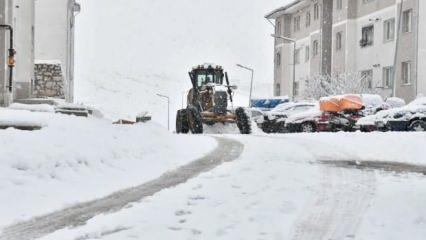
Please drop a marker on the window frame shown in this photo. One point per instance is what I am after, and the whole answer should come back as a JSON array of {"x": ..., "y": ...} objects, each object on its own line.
[
  {"x": 389, "y": 30},
  {"x": 388, "y": 77},
  {"x": 339, "y": 41},
  {"x": 406, "y": 75},
  {"x": 365, "y": 40},
  {"x": 407, "y": 27}
]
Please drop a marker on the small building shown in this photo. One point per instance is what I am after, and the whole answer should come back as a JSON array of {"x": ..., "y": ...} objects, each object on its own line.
[
  {"x": 382, "y": 40},
  {"x": 44, "y": 43},
  {"x": 54, "y": 48},
  {"x": 19, "y": 14}
]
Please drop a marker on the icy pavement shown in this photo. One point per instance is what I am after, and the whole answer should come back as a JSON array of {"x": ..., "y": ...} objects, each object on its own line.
[
  {"x": 226, "y": 151},
  {"x": 278, "y": 189}
]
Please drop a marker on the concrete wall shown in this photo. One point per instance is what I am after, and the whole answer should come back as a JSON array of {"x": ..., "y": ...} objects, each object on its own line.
[
  {"x": 6, "y": 11},
  {"x": 23, "y": 22},
  {"x": 407, "y": 51},
  {"x": 56, "y": 42},
  {"x": 421, "y": 84}
]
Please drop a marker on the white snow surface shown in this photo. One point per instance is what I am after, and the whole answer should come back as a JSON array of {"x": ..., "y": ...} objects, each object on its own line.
[
  {"x": 79, "y": 159},
  {"x": 277, "y": 191}
]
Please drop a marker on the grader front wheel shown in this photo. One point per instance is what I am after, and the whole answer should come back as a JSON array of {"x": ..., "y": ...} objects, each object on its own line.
[{"x": 243, "y": 121}]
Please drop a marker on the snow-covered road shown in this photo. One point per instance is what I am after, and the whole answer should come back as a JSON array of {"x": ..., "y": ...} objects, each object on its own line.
[
  {"x": 279, "y": 188},
  {"x": 303, "y": 187},
  {"x": 227, "y": 150}
]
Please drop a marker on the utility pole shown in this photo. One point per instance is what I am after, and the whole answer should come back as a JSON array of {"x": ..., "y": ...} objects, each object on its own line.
[
  {"x": 168, "y": 109},
  {"x": 251, "y": 82}
]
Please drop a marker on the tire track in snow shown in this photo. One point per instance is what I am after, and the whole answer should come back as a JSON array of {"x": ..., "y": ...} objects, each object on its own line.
[
  {"x": 337, "y": 209},
  {"x": 226, "y": 151}
]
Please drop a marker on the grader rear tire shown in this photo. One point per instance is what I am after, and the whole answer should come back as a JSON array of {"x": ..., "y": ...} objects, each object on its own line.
[{"x": 243, "y": 121}]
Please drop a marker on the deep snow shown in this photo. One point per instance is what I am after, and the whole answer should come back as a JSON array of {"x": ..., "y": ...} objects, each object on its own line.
[
  {"x": 276, "y": 190},
  {"x": 77, "y": 159}
]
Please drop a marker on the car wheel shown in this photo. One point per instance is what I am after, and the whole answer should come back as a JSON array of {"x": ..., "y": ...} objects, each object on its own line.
[
  {"x": 307, "y": 127},
  {"x": 417, "y": 126}
]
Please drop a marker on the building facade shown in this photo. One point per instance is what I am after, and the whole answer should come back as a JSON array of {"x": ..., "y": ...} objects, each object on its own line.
[
  {"x": 377, "y": 39},
  {"x": 54, "y": 45}
]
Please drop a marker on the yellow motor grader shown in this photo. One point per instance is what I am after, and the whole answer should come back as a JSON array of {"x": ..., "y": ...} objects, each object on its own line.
[{"x": 208, "y": 102}]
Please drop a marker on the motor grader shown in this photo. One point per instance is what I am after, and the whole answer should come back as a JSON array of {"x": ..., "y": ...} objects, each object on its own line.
[{"x": 207, "y": 102}]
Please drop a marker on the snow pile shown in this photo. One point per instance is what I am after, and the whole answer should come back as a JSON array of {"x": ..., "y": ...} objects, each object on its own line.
[
  {"x": 279, "y": 192},
  {"x": 33, "y": 108},
  {"x": 23, "y": 118},
  {"x": 77, "y": 159}
]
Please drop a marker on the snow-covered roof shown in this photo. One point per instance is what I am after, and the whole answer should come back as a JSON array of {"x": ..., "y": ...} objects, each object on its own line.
[{"x": 286, "y": 9}]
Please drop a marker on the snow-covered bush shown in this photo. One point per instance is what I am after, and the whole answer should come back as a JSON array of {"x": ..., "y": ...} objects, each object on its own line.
[{"x": 325, "y": 85}]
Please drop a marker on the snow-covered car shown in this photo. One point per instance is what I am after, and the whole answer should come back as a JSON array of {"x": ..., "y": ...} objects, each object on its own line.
[
  {"x": 255, "y": 114},
  {"x": 318, "y": 121},
  {"x": 411, "y": 117},
  {"x": 274, "y": 120},
  {"x": 373, "y": 104}
]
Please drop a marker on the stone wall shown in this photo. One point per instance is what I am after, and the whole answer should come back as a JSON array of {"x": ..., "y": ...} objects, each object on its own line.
[{"x": 49, "y": 80}]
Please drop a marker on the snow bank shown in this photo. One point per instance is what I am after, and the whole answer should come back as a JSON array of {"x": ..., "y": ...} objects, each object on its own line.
[{"x": 77, "y": 159}]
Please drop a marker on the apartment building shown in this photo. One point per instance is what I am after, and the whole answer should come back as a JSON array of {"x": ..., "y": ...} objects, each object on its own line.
[
  {"x": 379, "y": 39},
  {"x": 54, "y": 47},
  {"x": 43, "y": 33},
  {"x": 19, "y": 14}
]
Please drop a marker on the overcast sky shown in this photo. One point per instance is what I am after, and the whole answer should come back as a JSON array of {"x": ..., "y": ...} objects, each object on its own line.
[{"x": 167, "y": 37}]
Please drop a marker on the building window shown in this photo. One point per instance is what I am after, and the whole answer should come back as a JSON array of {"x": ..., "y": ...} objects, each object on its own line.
[
  {"x": 278, "y": 59},
  {"x": 367, "y": 36},
  {"x": 339, "y": 40},
  {"x": 339, "y": 4},
  {"x": 367, "y": 1},
  {"x": 297, "y": 56},
  {"x": 387, "y": 77},
  {"x": 277, "y": 89},
  {"x": 406, "y": 73},
  {"x": 389, "y": 30},
  {"x": 278, "y": 28},
  {"x": 315, "y": 47},
  {"x": 367, "y": 77},
  {"x": 308, "y": 19},
  {"x": 316, "y": 11},
  {"x": 296, "y": 23},
  {"x": 307, "y": 53},
  {"x": 296, "y": 89},
  {"x": 407, "y": 21}
]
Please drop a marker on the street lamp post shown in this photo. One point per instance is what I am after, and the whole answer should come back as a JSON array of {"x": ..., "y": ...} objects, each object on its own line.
[
  {"x": 251, "y": 82},
  {"x": 168, "y": 109},
  {"x": 294, "y": 58}
]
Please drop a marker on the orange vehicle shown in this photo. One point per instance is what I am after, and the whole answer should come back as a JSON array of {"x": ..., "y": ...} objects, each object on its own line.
[{"x": 341, "y": 103}]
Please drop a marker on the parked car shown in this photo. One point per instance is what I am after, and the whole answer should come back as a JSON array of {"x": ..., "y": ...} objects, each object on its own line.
[
  {"x": 267, "y": 104},
  {"x": 274, "y": 120},
  {"x": 411, "y": 117},
  {"x": 317, "y": 121},
  {"x": 335, "y": 113},
  {"x": 373, "y": 104},
  {"x": 255, "y": 114}
]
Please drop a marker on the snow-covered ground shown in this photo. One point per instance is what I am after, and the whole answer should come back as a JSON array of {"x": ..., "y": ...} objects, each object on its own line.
[
  {"x": 278, "y": 189},
  {"x": 78, "y": 159}
]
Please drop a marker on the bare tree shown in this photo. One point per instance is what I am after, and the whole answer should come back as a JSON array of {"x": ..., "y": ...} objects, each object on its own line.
[{"x": 346, "y": 83}]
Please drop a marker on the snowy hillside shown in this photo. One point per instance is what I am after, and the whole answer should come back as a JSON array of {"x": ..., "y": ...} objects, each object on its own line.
[{"x": 126, "y": 53}]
